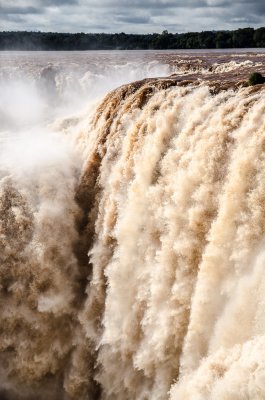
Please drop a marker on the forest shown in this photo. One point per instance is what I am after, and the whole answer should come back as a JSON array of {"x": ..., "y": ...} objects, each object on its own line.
[{"x": 240, "y": 38}]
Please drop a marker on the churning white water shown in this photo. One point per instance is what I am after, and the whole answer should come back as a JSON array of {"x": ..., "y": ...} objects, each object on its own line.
[{"x": 131, "y": 227}]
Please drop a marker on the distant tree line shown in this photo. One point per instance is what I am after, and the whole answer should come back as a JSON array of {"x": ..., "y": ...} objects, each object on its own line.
[{"x": 244, "y": 37}]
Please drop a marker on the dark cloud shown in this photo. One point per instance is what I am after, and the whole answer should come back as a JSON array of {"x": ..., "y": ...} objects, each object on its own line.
[
  {"x": 19, "y": 10},
  {"x": 133, "y": 19},
  {"x": 130, "y": 15},
  {"x": 13, "y": 18},
  {"x": 57, "y": 3},
  {"x": 145, "y": 4}
]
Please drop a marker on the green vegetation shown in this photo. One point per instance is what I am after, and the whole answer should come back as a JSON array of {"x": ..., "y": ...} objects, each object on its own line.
[
  {"x": 255, "y": 79},
  {"x": 247, "y": 37}
]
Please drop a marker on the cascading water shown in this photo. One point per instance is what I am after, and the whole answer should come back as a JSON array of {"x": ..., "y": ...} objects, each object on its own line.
[{"x": 131, "y": 246}]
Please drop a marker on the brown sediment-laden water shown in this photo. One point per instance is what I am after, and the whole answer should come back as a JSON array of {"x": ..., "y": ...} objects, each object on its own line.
[{"x": 132, "y": 233}]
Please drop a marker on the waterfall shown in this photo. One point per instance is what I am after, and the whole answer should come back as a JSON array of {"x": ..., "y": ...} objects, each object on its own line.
[{"x": 131, "y": 262}]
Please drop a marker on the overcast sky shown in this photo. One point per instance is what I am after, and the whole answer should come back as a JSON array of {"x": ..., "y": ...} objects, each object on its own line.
[{"x": 130, "y": 16}]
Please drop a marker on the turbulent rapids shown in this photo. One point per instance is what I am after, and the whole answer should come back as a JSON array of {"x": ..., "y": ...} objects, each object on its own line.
[{"x": 132, "y": 267}]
